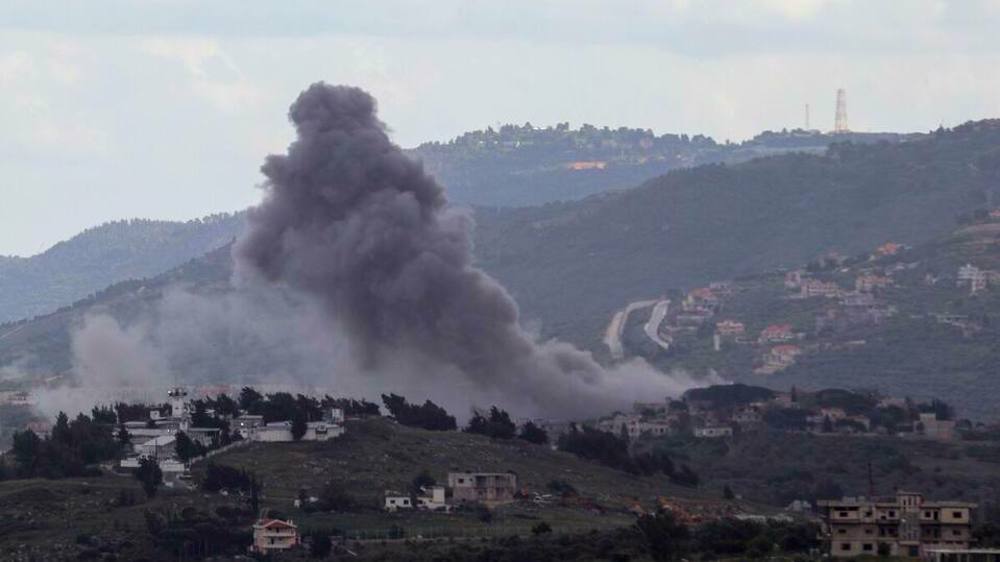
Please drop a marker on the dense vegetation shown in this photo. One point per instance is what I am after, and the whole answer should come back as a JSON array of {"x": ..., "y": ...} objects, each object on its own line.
[
  {"x": 72, "y": 449},
  {"x": 426, "y": 416}
]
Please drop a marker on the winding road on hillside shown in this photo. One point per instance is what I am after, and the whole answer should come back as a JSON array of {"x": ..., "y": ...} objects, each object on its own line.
[
  {"x": 616, "y": 328},
  {"x": 652, "y": 327}
]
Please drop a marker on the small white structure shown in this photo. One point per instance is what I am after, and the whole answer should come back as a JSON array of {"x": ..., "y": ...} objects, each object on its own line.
[
  {"x": 713, "y": 432},
  {"x": 394, "y": 501},
  {"x": 336, "y": 416},
  {"x": 433, "y": 498}
]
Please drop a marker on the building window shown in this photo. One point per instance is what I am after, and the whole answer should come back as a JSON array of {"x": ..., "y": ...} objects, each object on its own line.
[
  {"x": 841, "y": 531},
  {"x": 845, "y": 546},
  {"x": 867, "y": 547},
  {"x": 956, "y": 514}
]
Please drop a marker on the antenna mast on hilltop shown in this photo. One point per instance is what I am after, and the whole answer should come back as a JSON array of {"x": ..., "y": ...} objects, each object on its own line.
[{"x": 840, "y": 121}]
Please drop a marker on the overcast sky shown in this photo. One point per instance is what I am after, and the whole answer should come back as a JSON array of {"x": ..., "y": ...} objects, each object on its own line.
[{"x": 166, "y": 108}]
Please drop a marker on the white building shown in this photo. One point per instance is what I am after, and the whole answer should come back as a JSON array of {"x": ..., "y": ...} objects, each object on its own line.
[
  {"x": 433, "y": 498},
  {"x": 281, "y": 432},
  {"x": 394, "y": 501},
  {"x": 157, "y": 447},
  {"x": 713, "y": 432}
]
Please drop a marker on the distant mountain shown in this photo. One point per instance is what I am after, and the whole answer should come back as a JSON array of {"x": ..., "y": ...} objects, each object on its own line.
[
  {"x": 514, "y": 166},
  {"x": 570, "y": 265},
  {"x": 518, "y": 166},
  {"x": 104, "y": 255}
]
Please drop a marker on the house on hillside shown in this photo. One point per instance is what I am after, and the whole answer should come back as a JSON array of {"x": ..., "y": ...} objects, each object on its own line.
[
  {"x": 713, "y": 432},
  {"x": 749, "y": 416},
  {"x": 934, "y": 428},
  {"x": 490, "y": 488},
  {"x": 721, "y": 288},
  {"x": 274, "y": 535},
  {"x": 816, "y": 288},
  {"x": 701, "y": 298},
  {"x": 776, "y": 333},
  {"x": 394, "y": 501},
  {"x": 793, "y": 279},
  {"x": 868, "y": 283},
  {"x": 888, "y": 249},
  {"x": 971, "y": 276},
  {"x": 778, "y": 358},
  {"x": 730, "y": 328}
]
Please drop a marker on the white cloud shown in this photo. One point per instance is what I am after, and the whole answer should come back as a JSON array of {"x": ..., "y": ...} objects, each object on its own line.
[{"x": 213, "y": 74}]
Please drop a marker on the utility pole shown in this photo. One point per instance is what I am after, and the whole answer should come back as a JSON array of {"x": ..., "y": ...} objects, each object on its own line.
[
  {"x": 807, "y": 116},
  {"x": 871, "y": 482}
]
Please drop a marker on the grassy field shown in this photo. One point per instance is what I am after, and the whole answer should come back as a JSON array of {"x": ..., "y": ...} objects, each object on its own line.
[
  {"x": 779, "y": 467},
  {"x": 378, "y": 455}
]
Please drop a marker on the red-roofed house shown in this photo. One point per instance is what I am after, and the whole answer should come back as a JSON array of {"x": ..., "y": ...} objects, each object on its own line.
[
  {"x": 274, "y": 534},
  {"x": 777, "y": 333},
  {"x": 702, "y": 297},
  {"x": 778, "y": 358},
  {"x": 888, "y": 249}
]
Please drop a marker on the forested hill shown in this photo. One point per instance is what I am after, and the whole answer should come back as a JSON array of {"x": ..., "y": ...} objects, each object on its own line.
[
  {"x": 104, "y": 255},
  {"x": 517, "y": 166},
  {"x": 570, "y": 265}
]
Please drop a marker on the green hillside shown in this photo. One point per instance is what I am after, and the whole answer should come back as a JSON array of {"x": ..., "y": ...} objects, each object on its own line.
[
  {"x": 939, "y": 340},
  {"x": 570, "y": 265},
  {"x": 105, "y": 255}
]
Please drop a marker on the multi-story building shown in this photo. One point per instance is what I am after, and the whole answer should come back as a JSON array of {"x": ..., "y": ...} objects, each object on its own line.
[
  {"x": 271, "y": 535},
  {"x": 485, "y": 487},
  {"x": 904, "y": 525}
]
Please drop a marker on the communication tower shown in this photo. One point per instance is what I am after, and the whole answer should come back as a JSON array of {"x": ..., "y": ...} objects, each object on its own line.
[{"x": 840, "y": 121}]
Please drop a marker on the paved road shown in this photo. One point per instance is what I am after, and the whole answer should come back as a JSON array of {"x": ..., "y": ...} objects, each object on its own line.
[
  {"x": 615, "y": 329},
  {"x": 652, "y": 327}
]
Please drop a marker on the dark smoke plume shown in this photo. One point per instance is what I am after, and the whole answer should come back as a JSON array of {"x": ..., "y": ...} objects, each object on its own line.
[{"x": 351, "y": 220}]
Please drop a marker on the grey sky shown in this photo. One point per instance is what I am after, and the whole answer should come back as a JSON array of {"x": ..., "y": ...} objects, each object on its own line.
[{"x": 165, "y": 108}]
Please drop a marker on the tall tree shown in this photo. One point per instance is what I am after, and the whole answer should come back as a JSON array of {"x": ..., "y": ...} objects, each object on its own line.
[{"x": 149, "y": 475}]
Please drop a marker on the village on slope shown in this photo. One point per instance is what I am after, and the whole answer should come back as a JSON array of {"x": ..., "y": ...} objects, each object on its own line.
[{"x": 792, "y": 321}]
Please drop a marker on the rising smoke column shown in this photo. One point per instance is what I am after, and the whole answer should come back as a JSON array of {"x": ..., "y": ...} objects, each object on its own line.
[{"x": 351, "y": 220}]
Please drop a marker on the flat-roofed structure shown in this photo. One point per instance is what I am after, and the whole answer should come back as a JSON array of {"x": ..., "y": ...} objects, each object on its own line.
[{"x": 903, "y": 525}]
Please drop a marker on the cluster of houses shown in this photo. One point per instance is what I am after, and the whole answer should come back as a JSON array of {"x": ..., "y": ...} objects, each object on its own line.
[
  {"x": 156, "y": 437},
  {"x": 487, "y": 488},
  {"x": 705, "y": 420}
]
